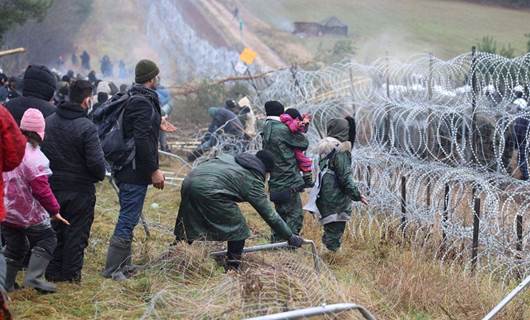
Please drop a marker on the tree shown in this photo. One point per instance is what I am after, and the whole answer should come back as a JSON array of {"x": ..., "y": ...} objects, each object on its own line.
[
  {"x": 507, "y": 51},
  {"x": 16, "y": 12},
  {"x": 488, "y": 45}
]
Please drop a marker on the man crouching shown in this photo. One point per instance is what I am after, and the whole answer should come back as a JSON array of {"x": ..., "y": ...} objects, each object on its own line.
[{"x": 209, "y": 197}]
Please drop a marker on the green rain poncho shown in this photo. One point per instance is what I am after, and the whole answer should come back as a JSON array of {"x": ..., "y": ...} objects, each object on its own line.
[
  {"x": 280, "y": 141},
  {"x": 337, "y": 190},
  {"x": 210, "y": 193}
]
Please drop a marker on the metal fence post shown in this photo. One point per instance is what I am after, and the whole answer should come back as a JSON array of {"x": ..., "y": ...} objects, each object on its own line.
[
  {"x": 445, "y": 215},
  {"x": 476, "y": 227},
  {"x": 403, "y": 203}
]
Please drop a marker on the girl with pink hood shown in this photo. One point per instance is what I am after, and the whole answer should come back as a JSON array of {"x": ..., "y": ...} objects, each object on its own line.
[{"x": 30, "y": 205}]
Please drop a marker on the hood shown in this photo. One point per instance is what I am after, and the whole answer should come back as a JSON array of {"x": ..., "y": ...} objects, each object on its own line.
[
  {"x": 146, "y": 92},
  {"x": 329, "y": 145},
  {"x": 39, "y": 82},
  {"x": 339, "y": 129},
  {"x": 71, "y": 111},
  {"x": 103, "y": 86},
  {"x": 251, "y": 162},
  {"x": 212, "y": 111}
]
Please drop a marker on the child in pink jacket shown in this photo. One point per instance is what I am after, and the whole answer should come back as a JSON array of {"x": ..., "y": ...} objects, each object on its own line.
[
  {"x": 300, "y": 123},
  {"x": 30, "y": 204}
]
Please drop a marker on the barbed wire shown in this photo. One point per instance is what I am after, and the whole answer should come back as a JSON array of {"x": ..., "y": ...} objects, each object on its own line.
[{"x": 445, "y": 126}]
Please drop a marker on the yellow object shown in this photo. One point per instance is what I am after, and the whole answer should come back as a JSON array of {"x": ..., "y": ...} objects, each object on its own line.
[{"x": 248, "y": 56}]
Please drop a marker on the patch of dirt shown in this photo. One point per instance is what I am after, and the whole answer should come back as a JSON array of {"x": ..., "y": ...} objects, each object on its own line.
[{"x": 196, "y": 19}]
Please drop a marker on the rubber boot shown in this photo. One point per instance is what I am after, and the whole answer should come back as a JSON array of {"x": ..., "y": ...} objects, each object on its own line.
[
  {"x": 117, "y": 256},
  {"x": 38, "y": 262},
  {"x": 234, "y": 253},
  {"x": 12, "y": 269}
]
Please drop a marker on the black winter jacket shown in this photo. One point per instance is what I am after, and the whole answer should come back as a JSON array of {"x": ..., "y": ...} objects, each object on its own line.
[
  {"x": 19, "y": 105},
  {"x": 141, "y": 121},
  {"x": 72, "y": 145}
]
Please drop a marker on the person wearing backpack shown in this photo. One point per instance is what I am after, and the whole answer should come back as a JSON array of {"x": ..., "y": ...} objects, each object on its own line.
[
  {"x": 77, "y": 162},
  {"x": 333, "y": 193},
  {"x": 141, "y": 123}
]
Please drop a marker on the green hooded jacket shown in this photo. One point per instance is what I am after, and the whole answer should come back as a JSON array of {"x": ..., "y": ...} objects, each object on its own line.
[
  {"x": 337, "y": 189},
  {"x": 281, "y": 142},
  {"x": 210, "y": 193}
]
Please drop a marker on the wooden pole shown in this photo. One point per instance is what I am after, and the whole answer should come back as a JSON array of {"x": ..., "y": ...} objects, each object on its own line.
[{"x": 9, "y": 52}]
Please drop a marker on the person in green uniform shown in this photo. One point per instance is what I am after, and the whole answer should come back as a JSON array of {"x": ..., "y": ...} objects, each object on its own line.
[
  {"x": 335, "y": 187},
  {"x": 286, "y": 182},
  {"x": 209, "y": 197}
]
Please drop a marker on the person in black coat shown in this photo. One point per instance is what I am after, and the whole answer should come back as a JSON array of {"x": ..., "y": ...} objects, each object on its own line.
[
  {"x": 38, "y": 90},
  {"x": 142, "y": 122},
  {"x": 77, "y": 162}
]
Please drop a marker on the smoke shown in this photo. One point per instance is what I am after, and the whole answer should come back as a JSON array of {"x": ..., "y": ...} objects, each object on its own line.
[{"x": 395, "y": 43}]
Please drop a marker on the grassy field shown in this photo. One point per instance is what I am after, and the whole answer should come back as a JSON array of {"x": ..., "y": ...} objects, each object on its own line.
[
  {"x": 393, "y": 280},
  {"x": 401, "y": 28}
]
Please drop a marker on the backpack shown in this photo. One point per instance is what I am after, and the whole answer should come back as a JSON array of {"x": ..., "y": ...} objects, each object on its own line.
[{"x": 108, "y": 119}]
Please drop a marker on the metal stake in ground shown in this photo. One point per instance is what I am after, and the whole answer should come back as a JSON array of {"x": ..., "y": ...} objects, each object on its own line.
[{"x": 476, "y": 227}]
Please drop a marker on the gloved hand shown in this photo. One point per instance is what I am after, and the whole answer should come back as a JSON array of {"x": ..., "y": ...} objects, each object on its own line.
[
  {"x": 297, "y": 189},
  {"x": 295, "y": 241}
]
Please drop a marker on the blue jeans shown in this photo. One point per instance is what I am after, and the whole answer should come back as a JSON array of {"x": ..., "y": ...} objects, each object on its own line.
[{"x": 132, "y": 198}]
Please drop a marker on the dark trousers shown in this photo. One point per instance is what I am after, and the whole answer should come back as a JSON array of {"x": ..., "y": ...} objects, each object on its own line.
[
  {"x": 333, "y": 235},
  {"x": 292, "y": 213},
  {"x": 78, "y": 209},
  {"x": 20, "y": 240}
]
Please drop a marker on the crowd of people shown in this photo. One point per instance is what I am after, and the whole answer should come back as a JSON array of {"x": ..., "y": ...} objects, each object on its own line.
[{"x": 53, "y": 152}]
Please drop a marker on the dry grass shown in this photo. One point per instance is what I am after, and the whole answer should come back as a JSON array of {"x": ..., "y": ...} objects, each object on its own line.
[{"x": 391, "y": 279}]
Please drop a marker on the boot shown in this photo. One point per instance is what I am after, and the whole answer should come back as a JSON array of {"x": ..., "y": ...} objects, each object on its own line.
[
  {"x": 308, "y": 179},
  {"x": 233, "y": 255},
  {"x": 232, "y": 265},
  {"x": 38, "y": 262},
  {"x": 117, "y": 255},
  {"x": 12, "y": 268}
]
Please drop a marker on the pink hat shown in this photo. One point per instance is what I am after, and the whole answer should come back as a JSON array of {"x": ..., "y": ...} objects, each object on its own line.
[{"x": 33, "y": 120}]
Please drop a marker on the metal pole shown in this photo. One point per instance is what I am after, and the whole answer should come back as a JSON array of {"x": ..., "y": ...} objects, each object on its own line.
[
  {"x": 507, "y": 299},
  {"x": 445, "y": 215},
  {"x": 519, "y": 230},
  {"x": 276, "y": 246},
  {"x": 476, "y": 227},
  {"x": 317, "y": 311},
  {"x": 403, "y": 203}
]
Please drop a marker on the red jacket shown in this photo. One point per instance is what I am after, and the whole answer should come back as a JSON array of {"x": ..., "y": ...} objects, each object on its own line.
[{"x": 12, "y": 148}]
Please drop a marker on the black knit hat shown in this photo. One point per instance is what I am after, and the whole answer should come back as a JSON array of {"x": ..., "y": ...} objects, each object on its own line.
[
  {"x": 145, "y": 70},
  {"x": 295, "y": 114},
  {"x": 39, "y": 82},
  {"x": 267, "y": 158},
  {"x": 230, "y": 104},
  {"x": 274, "y": 108}
]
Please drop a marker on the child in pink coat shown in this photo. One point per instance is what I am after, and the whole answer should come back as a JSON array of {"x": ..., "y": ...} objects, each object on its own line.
[
  {"x": 300, "y": 123},
  {"x": 30, "y": 205}
]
